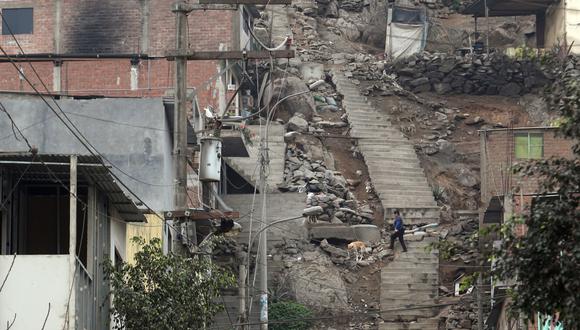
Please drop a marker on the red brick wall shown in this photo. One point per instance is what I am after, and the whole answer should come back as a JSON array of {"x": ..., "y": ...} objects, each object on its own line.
[
  {"x": 100, "y": 26},
  {"x": 207, "y": 29},
  {"x": 42, "y": 40},
  {"x": 115, "y": 26},
  {"x": 10, "y": 79},
  {"x": 498, "y": 154}
]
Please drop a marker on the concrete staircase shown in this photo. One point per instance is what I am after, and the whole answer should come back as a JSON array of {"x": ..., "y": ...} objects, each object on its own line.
[
  {"x": 411, "y": 281},
  {"x": 247, "y": 167},
  {"x": 393, "y": 166},
  {"x": 407, "y": 283}
]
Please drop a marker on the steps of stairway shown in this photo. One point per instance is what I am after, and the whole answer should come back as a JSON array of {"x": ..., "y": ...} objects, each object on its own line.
[
  {"x": 388, "y": 170},
  {"x": 407, "y": 326}
]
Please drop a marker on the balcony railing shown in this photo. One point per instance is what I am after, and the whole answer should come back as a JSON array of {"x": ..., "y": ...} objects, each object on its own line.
[{"x": 84, "y": 298}]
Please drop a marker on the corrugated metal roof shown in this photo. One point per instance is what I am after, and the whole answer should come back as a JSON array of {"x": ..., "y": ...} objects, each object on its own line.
[{"x": 90, "y": 171}]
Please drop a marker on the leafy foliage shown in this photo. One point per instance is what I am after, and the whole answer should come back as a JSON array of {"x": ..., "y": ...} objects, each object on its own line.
[
  {"x": 438, "y": 193},
  {"x": 290, "y": 315},
  {"x": 544, "y": 263},
  {"x": 447, "y": 249},
  {"x": 165, "y": 291}
]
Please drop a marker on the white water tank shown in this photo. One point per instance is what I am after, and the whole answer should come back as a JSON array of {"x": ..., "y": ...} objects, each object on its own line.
[{"x": 210, "y": 160}]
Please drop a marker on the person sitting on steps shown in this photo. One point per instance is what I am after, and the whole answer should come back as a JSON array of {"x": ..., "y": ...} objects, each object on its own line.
[{"x": 399, "y": 231}]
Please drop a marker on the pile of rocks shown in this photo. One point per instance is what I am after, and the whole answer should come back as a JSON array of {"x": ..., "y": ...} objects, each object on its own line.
[
  {"x": 463, "y": 315},
  {"x": 326, "y": 188},
  {"x": 462, "y": 237},
  {"x": 471, "y": 74}
]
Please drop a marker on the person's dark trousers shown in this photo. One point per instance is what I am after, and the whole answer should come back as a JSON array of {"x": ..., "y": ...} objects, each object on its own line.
[{"x": 394, "y": 236}]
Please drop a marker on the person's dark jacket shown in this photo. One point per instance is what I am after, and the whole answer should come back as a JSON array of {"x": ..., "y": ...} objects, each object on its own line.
[{"x": 399, "y": 223}]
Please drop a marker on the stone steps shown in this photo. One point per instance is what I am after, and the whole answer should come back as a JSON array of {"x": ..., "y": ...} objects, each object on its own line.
[
  {"x": 412, "y": 278},
  {"x": 427, "y": 324}
]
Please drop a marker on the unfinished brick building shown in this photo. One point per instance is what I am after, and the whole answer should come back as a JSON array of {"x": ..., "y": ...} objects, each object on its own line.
[
  {"x": 115, "y": 48},
  {"x": 502, "y": 192}
]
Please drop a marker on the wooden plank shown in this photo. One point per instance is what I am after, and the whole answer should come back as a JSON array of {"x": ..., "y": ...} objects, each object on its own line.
[
  {"x": 247, "y": 2},
  {"x": 231, "y": 55}
]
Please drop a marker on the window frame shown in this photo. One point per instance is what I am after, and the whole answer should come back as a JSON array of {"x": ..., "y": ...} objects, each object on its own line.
[
  {"x": 11, "y": 29},
  {"x": 529, "y": 146}
]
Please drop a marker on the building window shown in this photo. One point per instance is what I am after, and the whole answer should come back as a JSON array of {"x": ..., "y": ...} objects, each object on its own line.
[
  {"x": 529, "y": 145},
  {"x": 17, "y": 21}
]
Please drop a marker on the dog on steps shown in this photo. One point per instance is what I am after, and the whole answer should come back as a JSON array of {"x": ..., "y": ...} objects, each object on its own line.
[{"x": 358, "y": 248}]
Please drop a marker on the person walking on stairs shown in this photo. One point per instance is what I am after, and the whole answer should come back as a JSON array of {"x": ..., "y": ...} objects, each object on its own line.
[{"x": 399, "y": 231}]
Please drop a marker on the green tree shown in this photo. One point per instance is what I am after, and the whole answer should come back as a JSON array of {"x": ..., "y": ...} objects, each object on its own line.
[
  {"x": 544, "y": 263},
  {"x": 165, "y": 291}
]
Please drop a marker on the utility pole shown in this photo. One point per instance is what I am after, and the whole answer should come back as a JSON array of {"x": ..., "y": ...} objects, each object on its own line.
[
  {"x": 479, "y": 302},
  {"x": 263, "y": 248},
  {"x": 180, "y": 125},
  {"x": 181, "y": 55}
]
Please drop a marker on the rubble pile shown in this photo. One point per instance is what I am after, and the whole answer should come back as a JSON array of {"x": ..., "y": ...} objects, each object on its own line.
[
  {"x": 462, "y": 237},
  {"x": 326, "y": 188},
  {"x": 472, "y": 74},
  {"x": 463, "y": 315}
]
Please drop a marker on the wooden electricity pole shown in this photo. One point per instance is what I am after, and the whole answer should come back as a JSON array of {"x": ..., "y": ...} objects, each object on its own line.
[
  {"x": 180, "y": 127},
  {"x": 181, "y": 55}
]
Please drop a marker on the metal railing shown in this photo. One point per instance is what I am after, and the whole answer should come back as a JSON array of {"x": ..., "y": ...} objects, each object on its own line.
[{"x": 84, "y": 298}]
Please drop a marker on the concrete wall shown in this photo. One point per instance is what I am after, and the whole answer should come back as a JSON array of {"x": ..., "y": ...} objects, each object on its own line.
[
  {"x": 573, "y": 24},
  {"x": 563, "y": 25},
  {"x": 555, "y": 32},
  {"x": 34, "y": 282},
  {"x": 280, "y": 206}
]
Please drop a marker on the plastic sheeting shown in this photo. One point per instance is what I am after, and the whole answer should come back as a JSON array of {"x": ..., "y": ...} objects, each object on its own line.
[
  {"x": 406, "y": 32},
  {"x": 405, "y": 39}
]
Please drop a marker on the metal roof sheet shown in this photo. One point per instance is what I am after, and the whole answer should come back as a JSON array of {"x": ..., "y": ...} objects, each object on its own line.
[{"x": 55, "y": 168}]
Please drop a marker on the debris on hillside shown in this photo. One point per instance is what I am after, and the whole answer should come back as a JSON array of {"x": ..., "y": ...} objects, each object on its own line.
[
  {"x": 459, "y": 241},
  {"x": 325, "y": 187},
  {"x": 462, "y": 315}
]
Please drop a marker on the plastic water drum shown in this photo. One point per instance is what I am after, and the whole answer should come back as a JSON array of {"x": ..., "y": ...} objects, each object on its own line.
[{"x": 210, "y": 160}]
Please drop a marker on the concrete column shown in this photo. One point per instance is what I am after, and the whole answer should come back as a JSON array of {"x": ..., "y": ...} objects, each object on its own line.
[
  {"x": 57, "y": 25},
  {"x": 72, "y": 240},
  {"x": 145, "y": 14},
  {"x": 134, "y": 74},
  {"x": 56, "y": 76}
]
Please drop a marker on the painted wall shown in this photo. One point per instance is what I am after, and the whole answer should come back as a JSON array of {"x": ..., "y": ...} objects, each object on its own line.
[
  {"x": 118, "y": 236},
  {"x": 34, "y": 282},
  {"x": 153, "y": 228}
]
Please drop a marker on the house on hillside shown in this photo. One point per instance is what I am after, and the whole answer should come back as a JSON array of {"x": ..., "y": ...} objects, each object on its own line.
[
  {"x": 133, "y": 138},
  {"x": 118, "y": 48},
  {"x": 62, "y": 216},
  {"x": 557, "y": 21},
  {"x": 504, "y": 194}
]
